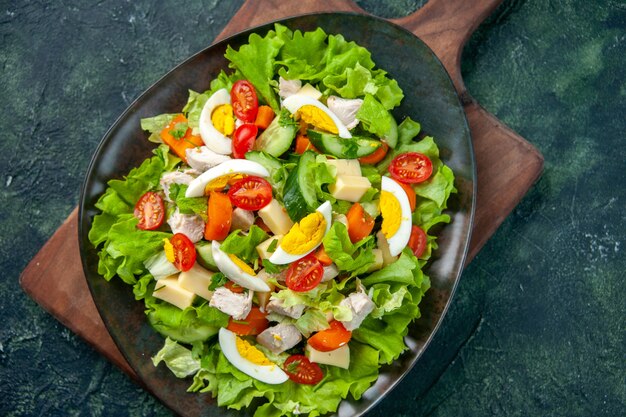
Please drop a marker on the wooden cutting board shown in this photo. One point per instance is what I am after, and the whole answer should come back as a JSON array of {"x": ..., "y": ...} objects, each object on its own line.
[{"x": 507, "y": 165}]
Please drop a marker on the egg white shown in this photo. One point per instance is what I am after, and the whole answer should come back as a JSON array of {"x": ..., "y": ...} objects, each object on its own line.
[
  {"x": 400, "y": 239},
  {"x": 294, "y": 102},
  {"x": 234, "y": 272},
  {"x": 232, "y": 166},
  {"x": 213, "y": 138},
  {"x": 282, "y": 257},
  {"x": 270, "y": 374}
]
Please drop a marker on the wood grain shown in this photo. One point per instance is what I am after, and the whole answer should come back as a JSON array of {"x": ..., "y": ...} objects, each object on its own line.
[{"x": 507, "y": 165}]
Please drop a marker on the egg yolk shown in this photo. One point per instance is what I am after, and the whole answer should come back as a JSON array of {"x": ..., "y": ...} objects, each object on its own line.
[
  {"x": 251, "y": 353},
  {"x": 391, "y": 212},
  {"x": 318, "y": 118},
  {"x": 223, "y": 119},
  {"x": 169, "y": 250},
  {"x": 242, "y": 265},
  {"x": 219, "y": 183},
  {"x": 304, "y": 236}
]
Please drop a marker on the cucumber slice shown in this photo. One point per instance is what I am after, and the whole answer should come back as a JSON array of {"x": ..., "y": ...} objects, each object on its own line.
[
  {"x": 277, "y": 138},
  {"x": 300, "y": 196},
  {"x": 391, "y": 137},
  {"x": 344, "y": 148},
  {"x": 205, "y": 256}
]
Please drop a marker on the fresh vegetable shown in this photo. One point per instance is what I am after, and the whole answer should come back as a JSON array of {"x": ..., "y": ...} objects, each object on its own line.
[
  {"x": 360, "y": 223},
  {"x": 250, "y": 193},
  {"x": 244, "y": 101},
  {"x": 264, "y": 117},
  {"x": 344, "y": 148},
  {"x": 330, "y": 339},
  {"x": 418, "y": 241},
  {"x": 277, "y": 138},
  {"x": 177, "y": 135},
  {"x": 322, "y": 256},
  {"x": 243, "y": 140},
  {"x": 303, "y": 144},
  {"x": 377, "y": 156},
  {"x": 150, "y": 211},
  {"x": 219, "y": 213},
  {"x": 254, "y": 323},
  {"x": 300, "y": 195},
  {"x": 410, "y": 193},
  {"x": 184, "y": 252},
  {"x": 302, "y": 371},
  {"x": 304, "y": 274},
  {"x": 411, "y": 168}
]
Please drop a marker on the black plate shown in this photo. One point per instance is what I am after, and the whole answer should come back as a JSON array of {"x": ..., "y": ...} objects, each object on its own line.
[{"x": 430, "y": 98}]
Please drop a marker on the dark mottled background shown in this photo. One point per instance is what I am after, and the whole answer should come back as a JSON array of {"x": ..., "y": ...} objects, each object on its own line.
[{"x": 538, "y": 323}]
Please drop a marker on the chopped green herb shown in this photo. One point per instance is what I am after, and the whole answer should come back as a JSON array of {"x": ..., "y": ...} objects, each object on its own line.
[
  {"x": 272, "y": 247},
  {"x": 217, "y": 280},
  {"x": 179, "y": 130}
]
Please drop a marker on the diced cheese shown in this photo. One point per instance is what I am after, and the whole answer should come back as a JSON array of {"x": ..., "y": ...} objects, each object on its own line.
[
  {"x": 196, "y": 280},
  {"x": 339, "y": 357},
  {"x": 169, "y": 290},
  {"x": 378, "y": 260},
  {"x": 310, "y": 91},
  {"x": 383, "y": 245},
  {"x": 346, "y": 166},
  {"x": 349, "y": 187},
  {"x": 276, "y": 218},
  {"x": 262, "y": 248}
]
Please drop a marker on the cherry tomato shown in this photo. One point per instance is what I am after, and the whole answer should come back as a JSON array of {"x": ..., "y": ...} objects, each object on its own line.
[
  {"x": 219, "y": 216},
  {"x": 418, "y": 241},
  {"x": 322, "y": 256},
  {"x": 377, "y": 156},
  {"x": 330, "y": 339},
  {"x": 304, "y": 274},
  {"x": 411, "y": 167},
  {"x": 244, "y": 101},
  {"x": 250, "y": 193},
  {"x": 254, "y": 323},
  {"x": 360, "y": 223},
  {"x": 184, "y": 252},
  {"x": 150, "y": 211},
  {"x": 244, "y": 138},
  {"x": 302, "y": 371},
  {"x": 410, "y": 193}
]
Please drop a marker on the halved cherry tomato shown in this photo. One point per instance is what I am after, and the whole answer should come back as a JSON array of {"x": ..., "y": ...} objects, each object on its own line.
[
  {"x": 254, "y": 323},
  {"x": 410, "y": 193},
  {"x": 304, "y": 274},
  {"x": 243, "y": 140},
  {"x": 150, "y": 211},
  {"x": 330, "y": 339},
  {"x": 377, "y": 156},
  {"x": 411, "y": 168},
  {"x": 184, "y": 252},
  {"x": 302, "y": 371},
  {"x": 250, "y": 193},
  {"x": 360, "y": 223},
  {"x": 219, "y": 213},
  {"x": 244, "y": 101},
  {"x": 177, "y": 135},
  {"x": 418, "y": 241},
  {"x": 304, "y": 144},
  {"x": 322, "y": 256},
  {"x": 236, "y": 288}
]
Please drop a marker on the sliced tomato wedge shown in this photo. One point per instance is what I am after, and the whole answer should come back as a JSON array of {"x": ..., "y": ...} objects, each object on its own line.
[
  {"x": 360, "y": 223},
  {"x": 304, "y": 274},
  {"x": 254, "y": 323},
  {"x": 250, "y": 193},
  {"x": 150, "y": 211},
  {"x": 302, "y": 371},
  {"x": 418, "y": 241},
  {"x": 411, "y": 168},
  {"x": 219, "y": 216},
  {"x": 243, "y": 140},
  {"x": 244, "y": 100},
  {"x": 330, "y": 339},
  {"x": 184, "y": 252}
]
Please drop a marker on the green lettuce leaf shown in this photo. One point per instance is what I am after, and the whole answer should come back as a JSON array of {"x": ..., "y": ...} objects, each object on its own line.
[
  {"x": 188, "y": 205},
  {"x": 244, "y": 246},
  {"x": 177, "y": 358},
  {"x": 354, "y": 258}
]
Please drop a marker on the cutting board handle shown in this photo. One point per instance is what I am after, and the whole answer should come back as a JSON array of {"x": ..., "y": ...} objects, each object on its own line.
[{"x": 446, "y": 25}]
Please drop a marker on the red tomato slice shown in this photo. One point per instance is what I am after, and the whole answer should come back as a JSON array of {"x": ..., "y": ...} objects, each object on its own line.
[
  {"x": 184, "y": 252},
  {"x": 304, "y": 274},
  {"x": 360, "y": 223},
  {"x": 244, "y": 101},
  {"x": 150, "y": 211},
  {"x": 250, "y": 193},
  {"x": 418, "y": 241},
  {"x": 411, "y": 167},
  {"x": 303, "y": 371},
  {"x": 254, "y": 323},
  {"x": 244, "y": 138},
  {"x": 330, "y": 339}
]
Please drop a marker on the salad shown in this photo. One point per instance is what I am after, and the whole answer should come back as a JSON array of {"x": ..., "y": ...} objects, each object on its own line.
[{"x": 278, "y": 234}]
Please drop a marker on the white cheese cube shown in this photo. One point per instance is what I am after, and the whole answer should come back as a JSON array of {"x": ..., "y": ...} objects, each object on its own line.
[
  {"x": 276, "y": 218},
  {"x": 339, "y": 357},
  {"x": 168, "y": 290},
  {"x": 196, "y": 280},
  {"x": 262, "y": 248},
  {"x": 346, "y": 166},
  {"x": 378, "y": 260},
  {"x": 349, "y": 187},
  {"x": 310, "y": 91}
]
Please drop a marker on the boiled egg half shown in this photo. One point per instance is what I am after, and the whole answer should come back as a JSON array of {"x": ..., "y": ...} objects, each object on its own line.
[
  {"x": 213, "y": 138},
  {"x": 396, "y": 212},
  {"x": 315, "y": 113},
  {"x": 237, "y": 270},
  {"x": 304, "y": 237},
  {"x": 249, "y": 360},
  {"x": 223, "y": 172}
]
